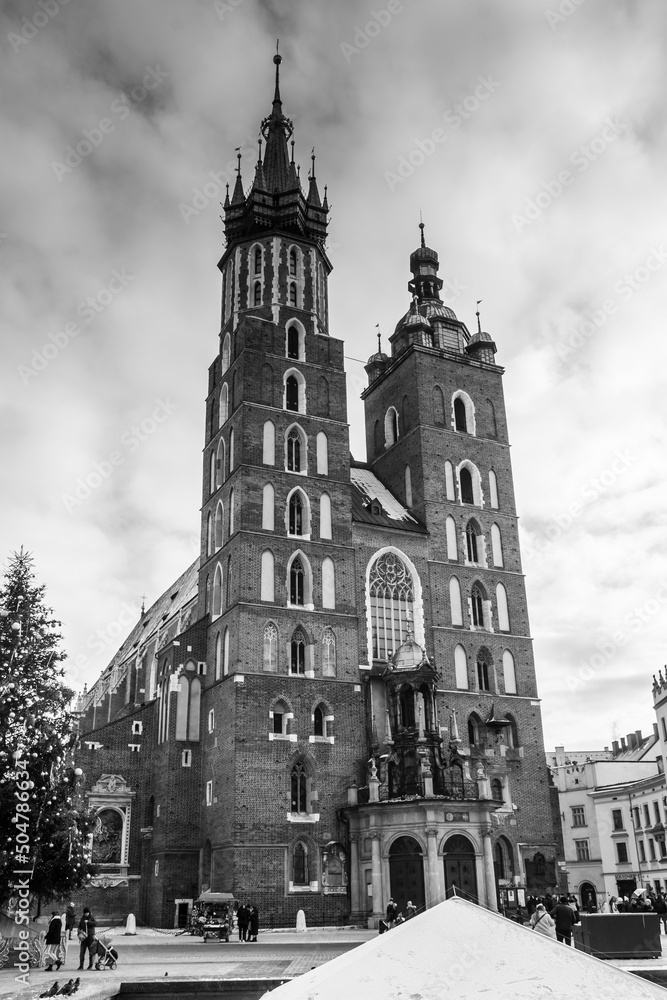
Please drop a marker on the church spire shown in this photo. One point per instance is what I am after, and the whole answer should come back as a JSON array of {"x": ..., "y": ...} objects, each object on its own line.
[{"x": 277, "y": 131}]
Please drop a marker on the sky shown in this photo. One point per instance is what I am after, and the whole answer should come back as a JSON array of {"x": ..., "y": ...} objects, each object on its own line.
[{"x": 531, "y": 136}]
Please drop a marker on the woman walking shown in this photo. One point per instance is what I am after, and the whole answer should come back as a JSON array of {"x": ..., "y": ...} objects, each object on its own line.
[
  {"x": 87, "y": 927},
  {"x": 52, "y": 942},
  {"x": 253, "y": 924},
  {"x": 542, "y": 922}
]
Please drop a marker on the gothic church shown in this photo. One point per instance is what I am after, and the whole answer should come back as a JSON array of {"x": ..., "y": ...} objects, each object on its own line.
[{"x": 336, "y": 703}]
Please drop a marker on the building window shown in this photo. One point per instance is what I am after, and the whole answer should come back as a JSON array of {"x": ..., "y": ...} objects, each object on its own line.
[
  {"x": 293, "y": 263},
  {"x": 473, "y": 542},
  {"x": 293, "y": 343},
  {"x": 578, "y": 816},
  {"x": 496, "y": 546},
  {"x": 622, "y": 853},
  {"x": 299, "y": 789},
  {"x": 211, "y": 720},
  {"x": 647, "y": 815},
  {"x": 257, "y": 298},
  {"x": 460, "y": 415},
  {"x": 292, "y": 294},
  {"x": 280, "y": 718},
  {"x": 651, "y": 848},
  {"x": 217, "y": 592},
  {"x": 300, "y": 865},
  {"x": 322, "y": 454},
  {"x": 483, "y": 675},
  {"x": 464, "y": 413},
  {"x": 258, "y": 260},
  {"x": 298, "y": 653},
  {"x": 477, "y": 603},
  {"x": 270, "y": 652},
  {"x": 296, "y": 582},
  {"x": 467, "y": 495},
  {"x": 390, "y": 427},
  {"x": 617, "y": 819},
  {"x": 392, "y": 602},
  {"x": 186, "y": 758},
  {"x": 456, "y": 613},
  {"x": 295, "y": 456},
  {"x": 137, "y": 728},
  {"x": 328, "y": 653},
  {"x": 267, "y": 577},
  {"x": 503, "y": 610},
  {"x": 497, "y": 790},
  {"x": 583, "y": 852},
  {"x": 328, "y": 583},
  {"x": 656, "y": 810},
  {"x": 319, "y": 725},
  {"x": 292, "y": 394},
  {"x": 474, "y": 729},
  {"x": 642, "y": 850},
  {"x": 638, "y": 823},
  {"x": 296, "y": 514},
  {"x": 226, "y": 353},
  {"x": 209, "y": 793},
  {"x": 461, "y": 667},
  {"x": 509, "y": 672}
]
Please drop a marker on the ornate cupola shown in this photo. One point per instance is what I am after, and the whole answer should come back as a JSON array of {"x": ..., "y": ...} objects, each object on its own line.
[{"x": 276, "y": 200}]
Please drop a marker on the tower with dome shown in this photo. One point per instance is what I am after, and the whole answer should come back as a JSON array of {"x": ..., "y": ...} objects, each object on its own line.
[{"x": 336, "y": 703}]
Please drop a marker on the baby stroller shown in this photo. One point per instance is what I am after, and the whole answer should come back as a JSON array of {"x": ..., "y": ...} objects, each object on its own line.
[{"x": 106, "y": 955}]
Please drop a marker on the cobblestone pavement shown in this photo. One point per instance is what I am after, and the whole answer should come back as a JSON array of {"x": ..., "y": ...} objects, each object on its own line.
[{"x": 183, "y": 958}]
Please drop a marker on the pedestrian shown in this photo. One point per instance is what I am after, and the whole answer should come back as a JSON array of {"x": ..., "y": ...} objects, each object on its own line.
[
  {"x": 253, "y": 923},
  {"x": 563, "y": 915},
  {"x": 572, "y": 901},
  {"x": 410, "y": 910},
  {"x": 392, "y": 912},
  {"x": 62, "y": 950},
  {"x": 52, "y": 942},
  {"x": 542, "y": 922},
  {"x": 242, "y": 918},
  {"x": 70, "y": 919},
  {"x": 86, "y": 933},
  {"x": 661, "y": 910}
]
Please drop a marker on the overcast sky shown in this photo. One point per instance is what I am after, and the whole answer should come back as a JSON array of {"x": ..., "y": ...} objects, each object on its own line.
[{"x": 531, "y": 135}]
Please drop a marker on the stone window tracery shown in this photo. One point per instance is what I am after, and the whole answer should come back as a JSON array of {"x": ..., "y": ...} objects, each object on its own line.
[{"x": 392, "y": 599}]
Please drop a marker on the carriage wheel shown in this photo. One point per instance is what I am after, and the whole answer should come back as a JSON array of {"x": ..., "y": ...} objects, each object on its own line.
[{"x": 113, "y": 965}]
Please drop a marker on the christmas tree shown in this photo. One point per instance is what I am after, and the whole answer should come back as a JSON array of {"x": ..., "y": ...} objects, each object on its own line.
[{"x": 43, "y": 828}]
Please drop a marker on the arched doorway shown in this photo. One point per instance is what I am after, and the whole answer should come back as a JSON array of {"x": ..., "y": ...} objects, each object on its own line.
[
  {"x": 406, "y": 873},
  {"x": 589, "y": 897},
  {"x": 460, "y": 875}
]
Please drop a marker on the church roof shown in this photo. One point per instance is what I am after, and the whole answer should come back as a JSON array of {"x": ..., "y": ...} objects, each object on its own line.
[
  {"x": 366, "y": 488},
  {"x": 458, "y": 949}
]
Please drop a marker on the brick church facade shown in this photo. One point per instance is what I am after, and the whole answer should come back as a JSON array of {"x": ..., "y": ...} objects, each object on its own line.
[{"x": 336, "y": 702}]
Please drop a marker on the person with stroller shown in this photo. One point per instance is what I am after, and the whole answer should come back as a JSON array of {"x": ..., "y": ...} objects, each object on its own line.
[{"x": 86, "y": 933}]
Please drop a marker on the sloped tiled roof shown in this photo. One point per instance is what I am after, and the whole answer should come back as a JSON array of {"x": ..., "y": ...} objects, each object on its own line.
[{"x": 366, "y": 487}]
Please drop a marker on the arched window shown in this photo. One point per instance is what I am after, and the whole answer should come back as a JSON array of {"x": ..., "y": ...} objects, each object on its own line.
[
  {"x": 493, "y": 489},
  {"x": 257, "y": 296},
  {"x": 449, "y": 481},
  {"x": 211, "y": 472},
  {"x": 461, "y": 667},
  {"x": 296, "y": 450},
  {"x": 299, "y": 783},
  {"x": 270, "y": 649},
  {"x": 328, "y": 653},
  {"x": 300, "y": 864},
  {"x": 322, "y": 454},
  {"x": 226, "y": 353},
  {"x": 496, "y": 545},
  {"x": 194, "y": 713},
  {"x": 450, "y": 531},
  {"x": 209, "y": 534},
  {"x": 269, "y": 443},
  {"x": 258, "y": 260},
  {"x": 474, "y": 730},
  {"x": 216, "y": 610},
  {"x": 456, "y": 612},
  {"x": 438, "y": 407},
  {"x": 408, "y": 486},
  {"x": 503, "y": 611},
  {"x": 390, "y": 427},
  {"x": 295, "y": 389},
  {"x": 182, "y": 709},
  {"x": 293, "y": 343},
  {"x": 220, "y": 464},
  {"x": 231, "y": 451},
  {"x": 512, "y": 732},
  {"x": 223, "y": 413},
  {"x": 497, "y": 790},
  {"x": 325, "y": 516},
  {"x": 225, "y": 653},
  {"x": 268, "y": 507},
  {"x": 293, "y": 263},
  {"x": 228, "y": 592},
  {"x": 391, "y": 591},
  {"x": 231, "y": 513},
  {"x": 477, "y": 599},
  {"x": 509, "y": 672},
  {"x": 218, "y": 656},
  {"x": 296, "y": 582},
  {"x": 473, "y": 542},
  {"x": 328, "y": 583},
  {"x": 219, "y": 515},
  {"x": 460, "y": 421},
  {"x": 484, "y": 671},
  {"x": 292, "y": 294},
  {"x": 298, "y": 652},
  {"x": 463, "y": 412},
  {"x": 267, "y": 582},
  {"x": 467, "y": 495},
  {"x": 319, "y": 725}
]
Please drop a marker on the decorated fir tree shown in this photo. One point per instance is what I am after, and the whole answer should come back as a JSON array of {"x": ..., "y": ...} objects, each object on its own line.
[{"x": 43, "y": 829}]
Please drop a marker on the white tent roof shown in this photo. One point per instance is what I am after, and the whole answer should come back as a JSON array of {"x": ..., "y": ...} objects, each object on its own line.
[{"x": 459, "y": 950}]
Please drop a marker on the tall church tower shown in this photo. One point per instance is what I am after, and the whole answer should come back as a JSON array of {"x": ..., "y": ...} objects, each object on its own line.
[{"x": 276, "y": 568}]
